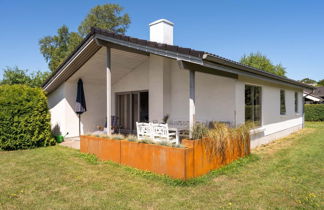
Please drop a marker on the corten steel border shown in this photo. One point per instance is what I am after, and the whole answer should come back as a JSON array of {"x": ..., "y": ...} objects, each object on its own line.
[{"x": 179, "y": 163}]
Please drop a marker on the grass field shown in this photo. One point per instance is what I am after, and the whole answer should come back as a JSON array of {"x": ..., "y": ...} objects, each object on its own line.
[{"x": 285, "y": 174}]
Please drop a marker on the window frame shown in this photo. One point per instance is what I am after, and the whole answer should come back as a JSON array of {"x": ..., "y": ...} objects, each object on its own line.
[
  {"x": 296, "y": 103},
  {"x": 261, "y": 99},
  {"x": 283, "y": 103}
]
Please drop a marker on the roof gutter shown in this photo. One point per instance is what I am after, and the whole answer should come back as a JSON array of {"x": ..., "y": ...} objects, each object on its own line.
[{"x": 244, "y": 68}]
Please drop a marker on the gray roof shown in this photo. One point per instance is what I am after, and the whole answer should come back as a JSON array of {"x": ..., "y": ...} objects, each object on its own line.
[
  {"x": 318, "y": 91},
  {"x": 180, "y": 53}
]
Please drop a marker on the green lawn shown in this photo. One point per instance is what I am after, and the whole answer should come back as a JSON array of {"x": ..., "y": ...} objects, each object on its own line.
[{"x": 285, "y": 174}]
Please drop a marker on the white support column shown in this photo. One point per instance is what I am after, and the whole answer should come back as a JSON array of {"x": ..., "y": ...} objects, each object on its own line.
[
  {"x": 108, "y": 88},
  {"x": 192, "y": 107}
]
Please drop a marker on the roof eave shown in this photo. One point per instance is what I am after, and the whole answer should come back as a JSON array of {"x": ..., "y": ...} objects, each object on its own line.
[{"x": 226, "y": 62}]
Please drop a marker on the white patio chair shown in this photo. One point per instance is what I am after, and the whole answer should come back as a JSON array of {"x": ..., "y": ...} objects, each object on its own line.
[
  {"x": 161, "y": 132},
  {"x": 144, "y": 130}
]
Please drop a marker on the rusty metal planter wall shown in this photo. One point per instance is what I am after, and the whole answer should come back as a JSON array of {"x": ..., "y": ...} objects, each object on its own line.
[{"x": 180, "y": 163}]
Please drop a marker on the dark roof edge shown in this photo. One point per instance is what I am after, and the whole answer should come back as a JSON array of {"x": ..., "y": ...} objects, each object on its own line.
[
  {"x": 85, "y": 40},
  {"x": 231, "y": 63}
]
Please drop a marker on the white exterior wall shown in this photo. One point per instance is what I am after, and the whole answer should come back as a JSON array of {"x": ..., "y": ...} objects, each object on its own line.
[
  {"x": 62, "y": 102},
  {"x": 215, "y": 96},
  {"x": 62, "y": 114},
  {"x": 156, "y": 91},
  {"x": 179, "y": 93},
  {"x": 71, "y": 118},
  {"x": 135, "y": 80},
  {"x": 57, "y": 106}
]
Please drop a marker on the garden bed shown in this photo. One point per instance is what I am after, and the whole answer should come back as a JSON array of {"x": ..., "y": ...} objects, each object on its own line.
[{"x": 182, "y": 163}]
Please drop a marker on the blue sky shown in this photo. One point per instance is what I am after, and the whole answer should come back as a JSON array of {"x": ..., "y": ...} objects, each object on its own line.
[{"x": 290, "y": 32}]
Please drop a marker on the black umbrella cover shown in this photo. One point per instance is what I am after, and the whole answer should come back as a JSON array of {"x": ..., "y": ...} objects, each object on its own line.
[{"x": 80, "y": 105}]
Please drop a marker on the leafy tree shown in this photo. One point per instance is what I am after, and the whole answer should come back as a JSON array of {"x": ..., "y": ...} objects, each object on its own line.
[
  {"x": 15, "y": 75},
  {"x": 107, "y": 16},
  {"x": 308, "y": 81},
  {"x": 56, "y": 48},
  {"x": 320, "y": 83},
  {"x": 259, "y": 61}
]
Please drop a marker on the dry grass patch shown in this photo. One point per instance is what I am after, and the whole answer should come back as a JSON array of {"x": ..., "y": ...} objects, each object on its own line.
[{"x": 282, "y": 143}]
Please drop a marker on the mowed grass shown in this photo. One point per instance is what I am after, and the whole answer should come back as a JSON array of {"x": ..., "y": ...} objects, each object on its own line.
[{"x": 285, "y": 174}]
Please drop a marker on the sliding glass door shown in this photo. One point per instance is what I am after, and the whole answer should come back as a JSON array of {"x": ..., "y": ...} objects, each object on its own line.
[{"x": 131, "y": 107}]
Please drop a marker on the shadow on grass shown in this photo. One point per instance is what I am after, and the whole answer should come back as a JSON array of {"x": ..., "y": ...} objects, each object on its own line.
[{"x": 231, "y": 168}]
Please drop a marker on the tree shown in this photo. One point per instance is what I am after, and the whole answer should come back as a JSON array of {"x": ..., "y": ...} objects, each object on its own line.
[
  {"x": 56, "y": 48},
  {"x": 15, "y": 75},
  {"x": 107, "y": 16},
  {"x": 259, "y": 61},
  {"x": 320, "y": 83},
  {"x": 308, "y": 81}
]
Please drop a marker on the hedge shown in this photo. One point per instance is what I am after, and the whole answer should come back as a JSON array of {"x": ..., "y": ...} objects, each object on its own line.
[
  {"x": 24, "y": 118},
  {"x": 314, "y": 112}
]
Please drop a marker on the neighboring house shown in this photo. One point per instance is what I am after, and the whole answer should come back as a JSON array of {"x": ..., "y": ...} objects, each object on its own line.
[
  {"x": 314, "y": 97},
  {"x": 140, "y": 80}
]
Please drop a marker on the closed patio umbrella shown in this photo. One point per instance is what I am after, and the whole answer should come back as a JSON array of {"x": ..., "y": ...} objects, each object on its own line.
[{"x": 80, "y": 106}]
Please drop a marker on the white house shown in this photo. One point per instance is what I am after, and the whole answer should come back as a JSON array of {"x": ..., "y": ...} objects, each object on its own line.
[{"x": 139, "y": 80}]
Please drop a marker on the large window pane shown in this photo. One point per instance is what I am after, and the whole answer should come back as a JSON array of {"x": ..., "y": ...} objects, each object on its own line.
[
  {"x": 296, "y": 102},
  {"x": 257, "y": 105},
  {"x": 248, "y": 103},
  {"x": 253, "y": 108},
  {"x": 282, "y": 102}
]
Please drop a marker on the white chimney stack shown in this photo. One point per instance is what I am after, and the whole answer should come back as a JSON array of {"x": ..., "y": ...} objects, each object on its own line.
[{"x": 161, "y": 31}]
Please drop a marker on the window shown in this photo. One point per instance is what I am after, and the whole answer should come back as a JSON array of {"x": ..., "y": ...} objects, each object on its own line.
[
  {"x": 282, "y": 102},
  {"x": 296, "y": 102},
  {"x": 253, "y": 104}
]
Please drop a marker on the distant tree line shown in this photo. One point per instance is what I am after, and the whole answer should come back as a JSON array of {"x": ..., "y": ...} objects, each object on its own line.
[
  {"x": 259, "y": 61},
  {"x": 16, "y": 76},
  {"x": 319, "y": 83}
]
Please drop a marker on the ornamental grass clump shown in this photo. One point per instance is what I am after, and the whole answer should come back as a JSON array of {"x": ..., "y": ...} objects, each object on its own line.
[
  {"x": 216, "y": 141},
  {"x": 117, "y": 137},
  {"x": 242, "y": 134},
  {"x": 199, "y": 130},
  {"x": 132, "y": 138},
  {"x": 165, "y": 143},
  {"x": 104, "y": 136},
  {"x": 146, "y": 141},
  {"x": 227, "y": 143}
]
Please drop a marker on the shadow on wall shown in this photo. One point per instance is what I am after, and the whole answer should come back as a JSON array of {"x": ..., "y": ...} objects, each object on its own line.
[
  {"x": 96, "y": 103},
  {"x": 56, "y": 130}
]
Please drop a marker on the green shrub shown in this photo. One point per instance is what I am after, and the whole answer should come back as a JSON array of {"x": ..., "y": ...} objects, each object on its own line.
[
  {"x": 314, "y": 112},
  {"x": 24, "y": 118}
]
